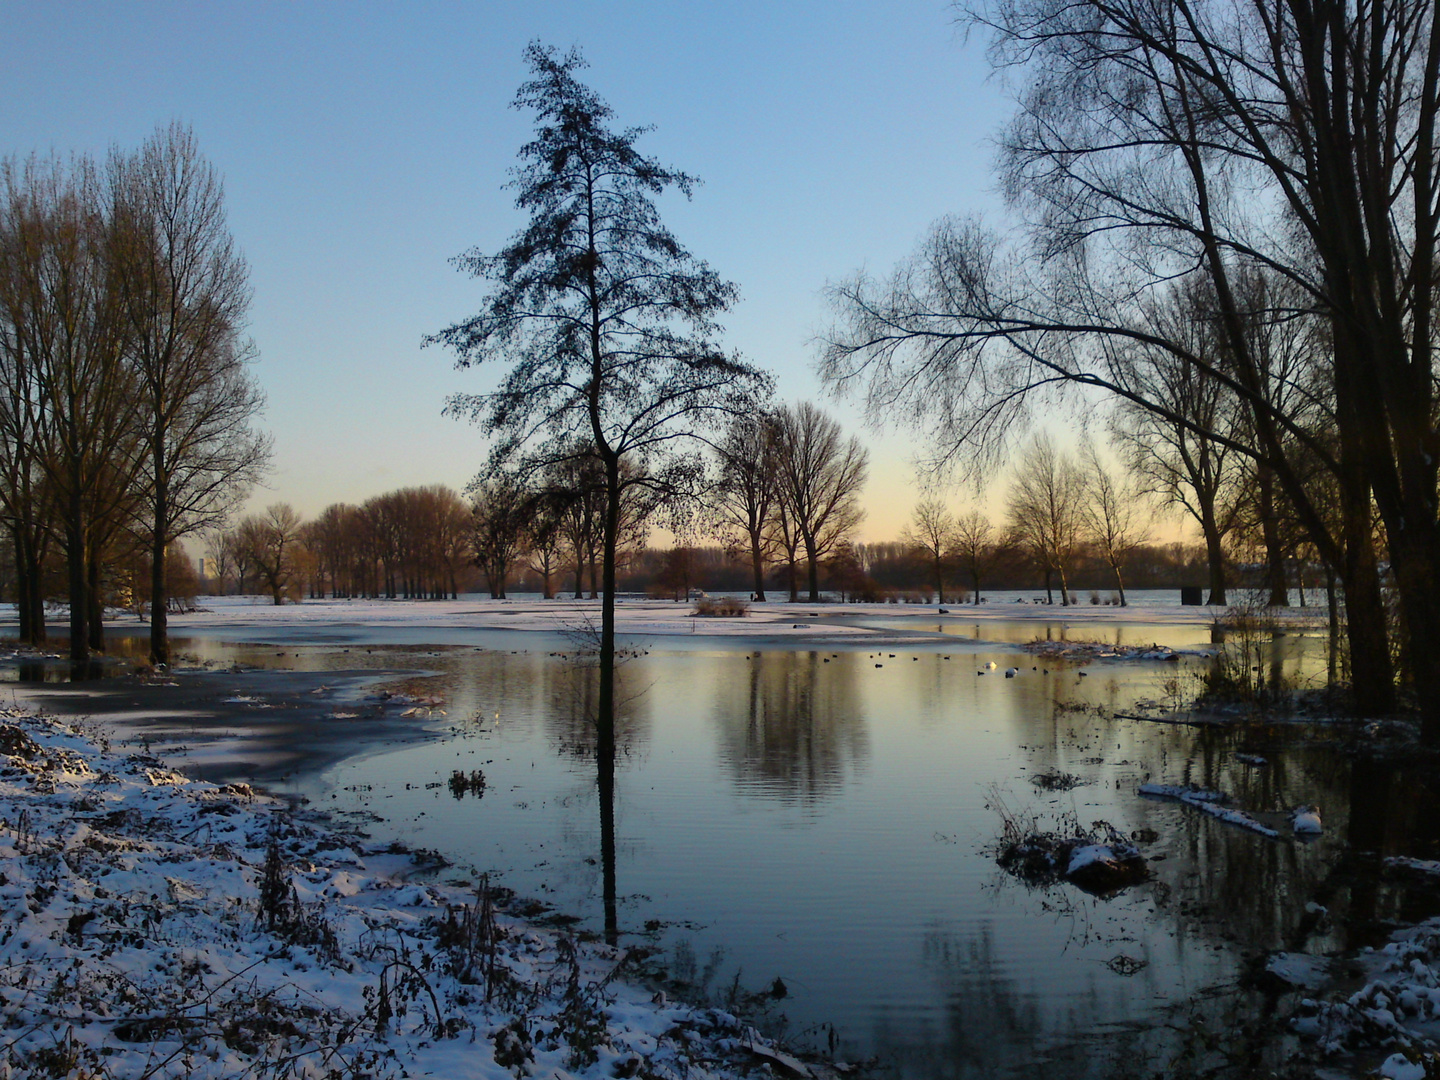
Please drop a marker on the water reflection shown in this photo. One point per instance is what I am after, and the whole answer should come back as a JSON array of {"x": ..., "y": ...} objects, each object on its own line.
[
  {"x": 791, "y": 726},
  {"x": 821, "y": 818},
  {"x": 987, "y": 1016}
]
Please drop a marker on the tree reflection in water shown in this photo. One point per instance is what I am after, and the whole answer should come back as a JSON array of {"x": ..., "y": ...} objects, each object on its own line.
[
  {"x": 993, "y": 1027},
  {"x": 825, "y": 822},
  {"x": 573, "y": 715},
  {"x": 794, "y": 728}
]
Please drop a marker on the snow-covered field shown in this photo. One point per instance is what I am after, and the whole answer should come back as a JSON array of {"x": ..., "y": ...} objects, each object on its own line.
[
  {"x": 636, "y": 617},
  {"x": 153, "y": 926}
]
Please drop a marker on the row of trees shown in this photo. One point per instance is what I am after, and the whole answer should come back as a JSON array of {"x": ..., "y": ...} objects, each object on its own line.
[
  {"x": 892, "y": 570},
  {"x": 125, "y": 398},
  {"x": 411, "y": 543}
]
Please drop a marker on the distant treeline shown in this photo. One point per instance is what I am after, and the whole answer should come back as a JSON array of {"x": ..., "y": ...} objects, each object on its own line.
[{"x": 895, "y": 571}]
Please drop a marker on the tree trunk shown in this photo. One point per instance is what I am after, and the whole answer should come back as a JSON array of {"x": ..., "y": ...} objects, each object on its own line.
[
  {"x": 605, "y": 762},
  {"x": 757, "y": 564},
  {"x": 29, "y": 599},
  {"x": 1279, "y": 594},
  {"x": 605, "y": 706},
  {"x": 1332, "y": 600},
  {"x": 159, "y": 614},
  {"x": 1420, "y": 608},
  {"x": 812, "y": 573},
  {"x": 1214, "y": 554},
  {"x": 96, "y": 598},
  {"x": 22, "y": 584},
  {"x": 1119, "y": 583},
  {"x": 1372, "y": 675},
  {"x": 79, "y": 596}
]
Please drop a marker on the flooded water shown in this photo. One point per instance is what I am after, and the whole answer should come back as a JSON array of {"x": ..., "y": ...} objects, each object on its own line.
[{"x": 828, "y": 818}]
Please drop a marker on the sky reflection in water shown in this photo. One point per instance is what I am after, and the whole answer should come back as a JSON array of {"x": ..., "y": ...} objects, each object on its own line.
[{"x": 822, "y": 817}]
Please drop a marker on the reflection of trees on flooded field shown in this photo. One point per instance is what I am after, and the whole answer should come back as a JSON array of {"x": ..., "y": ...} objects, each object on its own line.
[
  {"x": 1217, "y": 886},
  {"x": 595, "y": 722},
  {"x": 993, "y": 1026},
  {"x": 570, "y": 706},
  {"x": 561, "y": 693},
  {"x": 987, "y": 1021},
  {"x": 792, "y": 726}
]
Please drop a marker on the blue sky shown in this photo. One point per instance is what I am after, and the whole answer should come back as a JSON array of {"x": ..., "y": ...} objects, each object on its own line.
[{"x": 365, "y": 144}]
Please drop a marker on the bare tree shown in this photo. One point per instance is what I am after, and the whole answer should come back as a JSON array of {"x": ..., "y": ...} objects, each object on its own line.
[
  {"x": 1046, "y": 511},
  {"x": 1115, "y": 516},
  {"x": 1156, "y": 140},
  {"x": 544, "y": 539},
  {"x": 183, "y": 293},
  {"x": 820, "y": 476},
  {"x": 271, "y": 543},
  {"x": 456, "y": 549},
  {"x": 220, "y": 554},
  {"x": 62, "y": 310},
  {"x": 783, "y": 534},
  {"x": 331, "y": 539},
  {"x": 1186, "y": 452},
  {"x": 24, "y": 493},
  {"x": 746, "y": 490},
  {"x": 931, "y": 531},
  {"x": 975, "y": 547},
  {"x": 501, "y": 510}
]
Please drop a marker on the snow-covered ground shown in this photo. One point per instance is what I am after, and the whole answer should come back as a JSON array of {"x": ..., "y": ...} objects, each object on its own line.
[
  {"x": 154, "y": 926},
  {"x": 637, "y": 617}
]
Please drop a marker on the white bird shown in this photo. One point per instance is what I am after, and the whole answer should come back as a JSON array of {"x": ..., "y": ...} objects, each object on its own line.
[
  {"x": 1011, "y": 672},
  {"x": 991, "y": 665},
  {"x": 1306, "y": 820}
]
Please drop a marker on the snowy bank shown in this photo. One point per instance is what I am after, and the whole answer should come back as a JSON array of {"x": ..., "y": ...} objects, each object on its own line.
[{"x": 159, "y": 926}]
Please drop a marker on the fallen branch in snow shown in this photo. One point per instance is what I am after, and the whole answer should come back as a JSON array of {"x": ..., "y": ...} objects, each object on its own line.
[{"x": 1208, "y": 802}]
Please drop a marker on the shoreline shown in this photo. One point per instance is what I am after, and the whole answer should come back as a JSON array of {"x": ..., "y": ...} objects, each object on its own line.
[{"x": 258, "y": 726}]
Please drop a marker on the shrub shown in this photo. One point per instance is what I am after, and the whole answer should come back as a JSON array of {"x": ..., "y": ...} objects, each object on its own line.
[{"x": 729, "y": 607}]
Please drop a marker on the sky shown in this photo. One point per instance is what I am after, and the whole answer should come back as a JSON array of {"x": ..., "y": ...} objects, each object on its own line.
[{"x": 364, "y": 145}]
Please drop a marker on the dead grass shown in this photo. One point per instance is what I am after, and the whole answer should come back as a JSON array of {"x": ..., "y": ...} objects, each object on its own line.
[{"x": 722, "y": 607}]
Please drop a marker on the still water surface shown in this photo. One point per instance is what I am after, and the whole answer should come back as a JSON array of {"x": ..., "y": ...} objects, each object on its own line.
[{"x": 826, "y": 818}]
